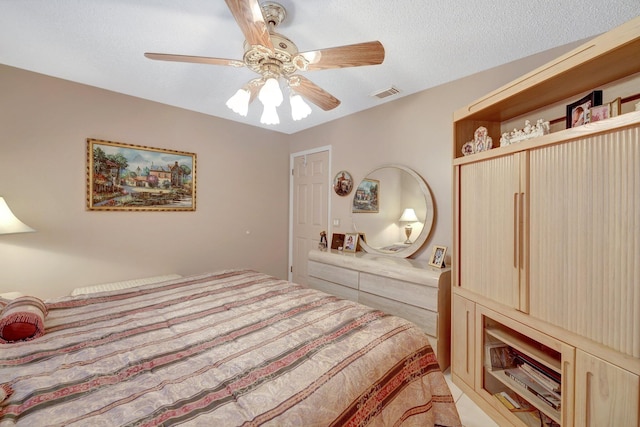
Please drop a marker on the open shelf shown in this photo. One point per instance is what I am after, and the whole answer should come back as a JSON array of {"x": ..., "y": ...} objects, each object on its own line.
[
  {"x": 540, "y": 404},
  {"x": 536, "y": 352},
  {"x": 533, "y": 361}
]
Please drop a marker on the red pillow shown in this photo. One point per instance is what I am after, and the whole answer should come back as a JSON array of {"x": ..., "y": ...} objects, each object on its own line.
[
  {"x": 17, "y": 331},
  {"x": 22, "y": 319}
]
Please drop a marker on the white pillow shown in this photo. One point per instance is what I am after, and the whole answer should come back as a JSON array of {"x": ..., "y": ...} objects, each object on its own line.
[
  {"x": 11, "y": 295},
  {"x": 123, "y": 285}
]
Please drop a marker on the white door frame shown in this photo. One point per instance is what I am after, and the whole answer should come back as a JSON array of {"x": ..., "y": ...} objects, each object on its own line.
[{"x": 292, "y": 156}]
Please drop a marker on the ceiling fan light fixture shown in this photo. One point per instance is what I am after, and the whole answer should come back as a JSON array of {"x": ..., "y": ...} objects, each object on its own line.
[
  {"x": 239, "y": 103},
  {"x": 299, "y": 108},
  {"x": 274, "y": 56},
  {"x": 270, "y": 94},
  {"x": 269, "y": 115}
]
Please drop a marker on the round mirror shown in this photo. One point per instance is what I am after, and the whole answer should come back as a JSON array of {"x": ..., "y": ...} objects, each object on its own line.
[{"x": 393, "y": 211}]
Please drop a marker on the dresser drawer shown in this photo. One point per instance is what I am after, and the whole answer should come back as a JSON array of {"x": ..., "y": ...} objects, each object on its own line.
[
  {"x": 425, "y": 319},
  {"x": 399, "y": 290},
  {"x": 331, "y": 273},
  {"x": 333, "y": 288}
]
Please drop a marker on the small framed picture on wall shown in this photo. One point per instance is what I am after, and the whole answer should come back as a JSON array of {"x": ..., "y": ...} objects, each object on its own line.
[{"x": 343, "y": 183}]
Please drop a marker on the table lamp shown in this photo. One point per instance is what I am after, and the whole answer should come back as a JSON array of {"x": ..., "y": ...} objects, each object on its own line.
[
  {"x": 9, "y": 224},
  {"x": 408, "y": 216}
]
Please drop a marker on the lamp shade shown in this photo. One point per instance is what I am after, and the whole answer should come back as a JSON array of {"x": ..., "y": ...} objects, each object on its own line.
[
  {"x": 299, "y": 108},
  {"x": 239, "y": 103},
  {"x": 269, "y": 115},
  {"x": 9, "y": 224},
  {"x": 270, "y": 94},
  {"x": 409, "y": 215}
]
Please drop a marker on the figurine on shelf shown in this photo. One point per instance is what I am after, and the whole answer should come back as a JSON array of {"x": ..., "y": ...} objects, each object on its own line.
[
  {"x": 540, "y": 128},
  {"x": 481, "y": 142}
]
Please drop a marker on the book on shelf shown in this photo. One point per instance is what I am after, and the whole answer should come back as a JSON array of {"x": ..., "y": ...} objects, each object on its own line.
[
  {"x": 540, "y": 377},
  {"x": 500, "y": 356},
  {"x": 547, "y": 377},
  {"x": 530, "y": 384},
  {"x": 544, "y": 370},
  {"x": 507, "y": 401},
  {"x": 527, "y": 413}
]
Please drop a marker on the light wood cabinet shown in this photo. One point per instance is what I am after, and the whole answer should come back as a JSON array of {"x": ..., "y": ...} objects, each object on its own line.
[
  {"x": 402, "y": 287},
  {"x": 463, "y": 339},
  {"x": 546, "y": 241},
  {"x": 606, "y": 395}
]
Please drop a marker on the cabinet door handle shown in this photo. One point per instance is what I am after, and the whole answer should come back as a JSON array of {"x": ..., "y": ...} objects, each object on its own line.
[
  {"x": 516, "y": 230},
  {"x": 588, "y": 399},
  {"x": 521, "y": 237}
]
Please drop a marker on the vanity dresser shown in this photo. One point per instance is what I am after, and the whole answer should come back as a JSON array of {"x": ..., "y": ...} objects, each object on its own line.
[{"x": 407, "y": 288}]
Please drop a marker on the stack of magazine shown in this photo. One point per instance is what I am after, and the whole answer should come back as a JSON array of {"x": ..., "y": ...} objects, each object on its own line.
[{"x": 533, "y": 376}]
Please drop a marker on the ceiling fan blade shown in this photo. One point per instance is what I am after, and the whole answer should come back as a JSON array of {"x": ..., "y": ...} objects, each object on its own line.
[
  {"x": 248, "y": 15},
  {"x": 313, "y": 92},
  {"x": 194, "y": 59},
  {"x": 354, "y": 55}
]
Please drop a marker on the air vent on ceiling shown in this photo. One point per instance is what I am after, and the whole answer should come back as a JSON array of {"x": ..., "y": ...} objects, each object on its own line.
[{"x": 387, "y": 92}]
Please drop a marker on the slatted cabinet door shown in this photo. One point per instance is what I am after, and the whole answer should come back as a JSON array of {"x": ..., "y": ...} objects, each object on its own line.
[
  {"x": 492, "y": 209},
  {"x": 585, "y": 214}
]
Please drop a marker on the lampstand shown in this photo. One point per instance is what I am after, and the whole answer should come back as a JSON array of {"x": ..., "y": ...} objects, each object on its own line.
[{"x": 408, "y": 216}]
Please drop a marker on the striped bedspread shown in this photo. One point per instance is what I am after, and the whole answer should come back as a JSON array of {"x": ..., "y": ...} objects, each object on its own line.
[{"x": 233, "y": 348}]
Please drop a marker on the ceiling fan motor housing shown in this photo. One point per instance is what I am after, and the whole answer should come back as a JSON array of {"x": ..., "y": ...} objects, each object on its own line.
[
  {"x": 283, "y": 60},
  {"x": 284, "y": 56}
]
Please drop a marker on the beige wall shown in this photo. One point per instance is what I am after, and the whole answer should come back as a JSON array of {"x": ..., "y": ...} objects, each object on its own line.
[
  {"x": 242, "y": 176},
  {"x": 415, "y": 131},
  {"x": 242, "y": 200}
]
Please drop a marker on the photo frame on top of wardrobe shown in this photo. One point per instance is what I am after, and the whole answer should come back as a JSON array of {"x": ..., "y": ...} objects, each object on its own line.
[{"x": 578, "y": 112}]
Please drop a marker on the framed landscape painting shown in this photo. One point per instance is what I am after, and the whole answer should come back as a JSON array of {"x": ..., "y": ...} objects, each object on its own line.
[
  {"x": 125, "y": 177},
  {"x": 366, "y": 199}
]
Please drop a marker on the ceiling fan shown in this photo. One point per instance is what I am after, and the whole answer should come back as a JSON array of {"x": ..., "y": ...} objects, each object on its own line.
[{"x": 274, "y": 57}]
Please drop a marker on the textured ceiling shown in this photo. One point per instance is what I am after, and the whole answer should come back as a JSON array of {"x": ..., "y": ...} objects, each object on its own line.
[{"x": 101, "y": 43}]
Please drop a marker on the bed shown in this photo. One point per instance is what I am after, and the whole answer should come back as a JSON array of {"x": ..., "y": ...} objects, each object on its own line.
[{"x": 232, "y": 348}]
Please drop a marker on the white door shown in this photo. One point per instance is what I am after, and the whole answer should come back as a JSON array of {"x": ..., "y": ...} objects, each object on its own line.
[{"x": 309, "y": 207}]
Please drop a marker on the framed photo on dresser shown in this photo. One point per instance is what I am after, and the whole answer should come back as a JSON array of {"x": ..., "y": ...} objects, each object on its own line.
[
  {"x": 351, "y": 242},
  {"x": 437, "y": 257}
]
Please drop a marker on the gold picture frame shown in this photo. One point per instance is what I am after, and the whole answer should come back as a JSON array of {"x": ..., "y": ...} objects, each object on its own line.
[
  {"x": 367, "y": 197},
  {"x": 126, "y": 177},
  {"x": 351, "y": 242},
  {"x": 615, "y": 107}
]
